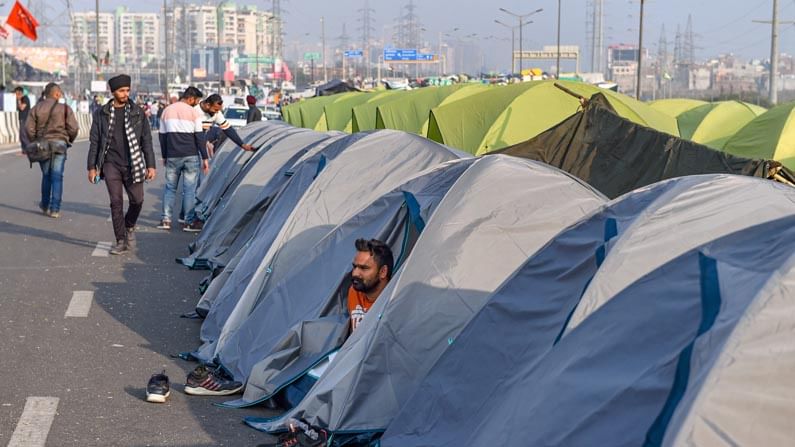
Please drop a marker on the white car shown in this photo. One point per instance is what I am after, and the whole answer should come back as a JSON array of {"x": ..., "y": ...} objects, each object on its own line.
[
  {"x": 236, "y": 115},
  {"x": 270, "y": 113}
]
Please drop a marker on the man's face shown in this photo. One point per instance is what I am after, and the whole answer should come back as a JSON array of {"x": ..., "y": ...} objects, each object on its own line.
[
  {"x": 212, "y": 109},
  {"x": 365, "y": 275},
  {"x": 122, "y": 95},
  {"x": 18, "y": 94}
]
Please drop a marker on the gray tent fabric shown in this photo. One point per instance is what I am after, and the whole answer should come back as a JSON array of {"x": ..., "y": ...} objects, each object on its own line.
[
  {"x": 379, "y": 162},
  {"x": 497, "y": 214},
  {"x": 228, "y": 162},
  {"x": 230, "y": 283},
  {"x": 674, "y": 298},
  {"x": 249, "y": 195},
  {"x": 317, "y": 309}
]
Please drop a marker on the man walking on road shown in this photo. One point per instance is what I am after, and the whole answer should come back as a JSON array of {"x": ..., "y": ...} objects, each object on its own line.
[
  {"x": 23, "y": 108},
  {"x": 55, "y": 123},
  {"x": 120, "y": 151},
  {"x": 184, "y": 152}
]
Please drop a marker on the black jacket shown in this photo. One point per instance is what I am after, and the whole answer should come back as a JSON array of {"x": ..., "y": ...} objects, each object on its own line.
[
  {"x": 253, "y": 114},
  {"x": 99, "y": 135}
]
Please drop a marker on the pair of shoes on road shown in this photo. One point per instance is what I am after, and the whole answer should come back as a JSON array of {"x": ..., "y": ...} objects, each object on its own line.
[
  {"x": 193, "y": 227},
  {"x": 300, "y": 434},
  {"x": 204, "y": 381},
  {"x": 158, "y": 389}
]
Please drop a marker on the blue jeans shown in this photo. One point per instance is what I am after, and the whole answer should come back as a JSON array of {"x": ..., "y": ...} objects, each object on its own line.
[
  {"x": 188, "y": 169},
  {"x": 52, "y": 180}
]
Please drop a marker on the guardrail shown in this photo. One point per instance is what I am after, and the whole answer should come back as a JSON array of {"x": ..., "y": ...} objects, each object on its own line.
[{"x": 9, "y": 126}]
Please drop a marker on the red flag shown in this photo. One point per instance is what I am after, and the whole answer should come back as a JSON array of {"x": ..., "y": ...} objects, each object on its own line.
[
  {"x": 3, "y": 32},
  {"x": 21, "y": 20}
]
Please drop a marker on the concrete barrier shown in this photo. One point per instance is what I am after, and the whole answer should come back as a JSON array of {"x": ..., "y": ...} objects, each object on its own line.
[{"x": 9, "y": 126}]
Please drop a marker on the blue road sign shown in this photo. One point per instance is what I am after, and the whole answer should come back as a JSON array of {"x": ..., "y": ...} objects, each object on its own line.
[
  {"x": 426, "y": 57},
  {"x": 354, "y": 53},
  {"x": 400, "y": 54}
]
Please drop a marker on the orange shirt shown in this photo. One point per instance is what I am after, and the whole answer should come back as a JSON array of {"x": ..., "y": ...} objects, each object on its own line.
[{"x": 358, "y": 305}]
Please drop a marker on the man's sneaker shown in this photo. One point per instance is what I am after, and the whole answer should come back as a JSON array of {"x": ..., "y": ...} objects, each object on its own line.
[
  {"x": 300, "y": 434},
  {"x": 164, "y": 225},
  {"x": 158, "y": 389},
  {"x": 130, "y": 237},
  {"x": 203, "y": 381},
  {"x": 44, "y": 209},
  {"x": 119, "y": 248},
  {"x": 193, "y": 227},
  {"x": 53, "y": 214}
]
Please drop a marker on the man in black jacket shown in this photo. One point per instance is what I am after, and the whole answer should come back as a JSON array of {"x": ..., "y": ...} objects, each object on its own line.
[
  {"x": 121, "y": 152},
  {"x": 253, "y": 114}
]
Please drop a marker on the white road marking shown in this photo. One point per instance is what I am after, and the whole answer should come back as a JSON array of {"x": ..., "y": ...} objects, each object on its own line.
[
  {"x": 80, "y": 304},
  {"x": 102, "y": 250},
  {"x": 35, "y": 422},
  {"x": 11, "y": 151}
]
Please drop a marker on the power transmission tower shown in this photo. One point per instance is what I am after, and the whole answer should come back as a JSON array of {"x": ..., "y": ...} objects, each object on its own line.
[
  {"x": 595, "y": 31},
  {"x": 409, "y": 27},
  {"x": 689, "y": 48},
  {"x": 277, "y": 29},
  {"x": 366, "y": 28},
  {"x": 663, "y": 68}
]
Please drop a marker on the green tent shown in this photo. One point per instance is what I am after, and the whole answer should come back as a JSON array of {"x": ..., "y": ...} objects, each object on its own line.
[
  {"x": 409, "y": 112},
  {"x": 676, "y": 106},
  {"x": 502, "y": 116},
  {"x": 291, "y": 115},
  {"x": 339, "y": 114},
  {"x": 364, "y": 114},
  {"x": 312, "y": 111},
  {"x": 771, "y": 135},
  {"x": 714, "y": 123}
]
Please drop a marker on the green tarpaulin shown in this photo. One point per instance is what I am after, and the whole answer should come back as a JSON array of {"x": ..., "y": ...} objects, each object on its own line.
[
  {"x": 364, "y": 114},
  {"x": 675, "y": 106},
  {"x": 409, "y": 112}
]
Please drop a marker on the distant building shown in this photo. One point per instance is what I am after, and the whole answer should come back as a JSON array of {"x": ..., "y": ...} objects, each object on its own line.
[
  {"x": 137, "y": 37},
  {"x": 84, "y": 35}
]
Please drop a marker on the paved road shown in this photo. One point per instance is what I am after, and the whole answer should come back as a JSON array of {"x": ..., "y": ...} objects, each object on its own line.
[{"x": 94, "y": 369}]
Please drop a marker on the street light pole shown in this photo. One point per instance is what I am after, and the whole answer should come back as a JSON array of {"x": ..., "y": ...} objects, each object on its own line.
[
  {"x": 323, "y": 38},
  {"x": 521, "y": 18},
  {"x": 557, "y": 73},
  {"x": 513, "y": 44},
  {"x": 640, "y": 51}
]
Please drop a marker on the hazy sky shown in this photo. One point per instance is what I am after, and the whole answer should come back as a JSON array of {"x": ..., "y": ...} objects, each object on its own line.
[{"x": 721, "y": 26}]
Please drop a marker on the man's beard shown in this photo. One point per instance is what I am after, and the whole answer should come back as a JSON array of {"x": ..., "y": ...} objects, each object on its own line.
[{"x": 361, "y": 285}]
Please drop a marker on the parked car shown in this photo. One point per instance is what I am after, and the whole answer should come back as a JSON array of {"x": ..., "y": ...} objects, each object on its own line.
[
  {"x": 236, "y": 115},
  {"x": 270, "y": 113}
]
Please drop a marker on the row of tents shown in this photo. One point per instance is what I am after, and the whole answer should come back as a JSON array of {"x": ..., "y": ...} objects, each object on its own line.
[
  {"x": 602, "y": 283},
  {"x": 479, "y": 119}
]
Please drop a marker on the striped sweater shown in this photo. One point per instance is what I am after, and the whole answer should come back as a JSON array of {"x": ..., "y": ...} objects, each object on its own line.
[{"x": 181, "y": 133}]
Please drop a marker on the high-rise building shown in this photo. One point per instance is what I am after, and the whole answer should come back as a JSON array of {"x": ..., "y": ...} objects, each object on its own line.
[
  {"x": 137, "y": 37},
  {"x": 84, "y": 34},
  {"x": 244, "y": 28}
]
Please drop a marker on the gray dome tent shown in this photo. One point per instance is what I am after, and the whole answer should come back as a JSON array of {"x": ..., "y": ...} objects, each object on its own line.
[
  {"x": 674, "y": 285},
  {"x": 498, "y": 213},
  {"x": 379, "y": 162}
]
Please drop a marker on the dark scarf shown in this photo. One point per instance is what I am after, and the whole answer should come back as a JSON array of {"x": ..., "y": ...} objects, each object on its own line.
[{"x": 136, "y": 157}]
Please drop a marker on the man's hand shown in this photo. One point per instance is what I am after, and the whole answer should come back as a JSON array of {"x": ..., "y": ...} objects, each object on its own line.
[
  {"x": 247, "y": 147},
  {"x": 150, "y": 173},
  {"x": 205, "y": 166},
  {"x": 92, "y": 174}
]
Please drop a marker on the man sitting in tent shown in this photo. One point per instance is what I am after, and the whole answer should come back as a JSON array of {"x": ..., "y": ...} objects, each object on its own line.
[{"x": 371, "y": 271}]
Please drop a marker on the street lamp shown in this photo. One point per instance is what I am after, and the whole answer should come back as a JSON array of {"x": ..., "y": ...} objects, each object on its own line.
[
  {"x": 513, "y": 38},
  {"x": 521, "y": 18}
]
